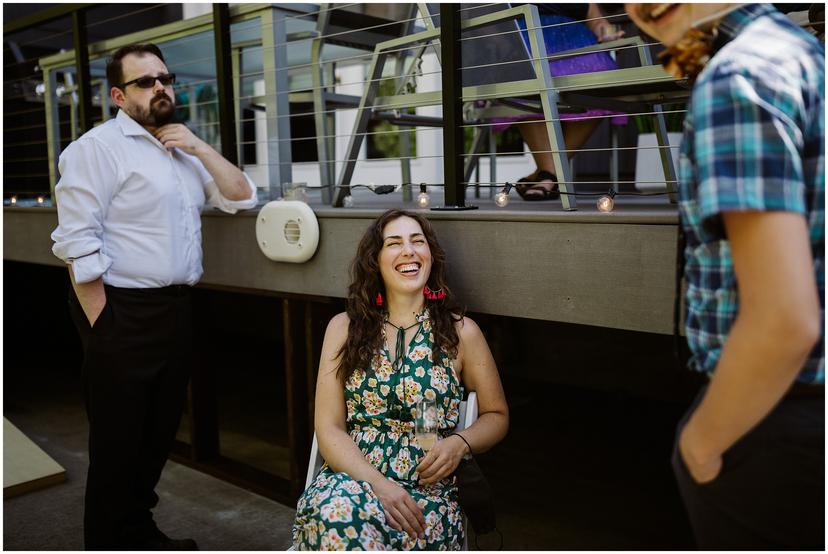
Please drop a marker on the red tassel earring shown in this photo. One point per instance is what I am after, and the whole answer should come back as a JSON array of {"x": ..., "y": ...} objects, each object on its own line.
[
  {"x": 434, "y": 294},
  {"x": 379, "y": 299}
]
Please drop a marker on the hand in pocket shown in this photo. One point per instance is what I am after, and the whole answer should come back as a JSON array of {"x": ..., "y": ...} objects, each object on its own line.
[{"x": 93, "y": 313}]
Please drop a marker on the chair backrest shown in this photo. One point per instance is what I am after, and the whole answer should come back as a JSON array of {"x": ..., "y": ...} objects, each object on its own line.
[
  {"x": 468, "y": 415},
  {"x": 362, "y": 26},
  {"x": 501, "y": 42}
]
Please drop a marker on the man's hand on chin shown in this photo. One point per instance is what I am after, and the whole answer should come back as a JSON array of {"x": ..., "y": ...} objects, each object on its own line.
[
  {"x": 703, "y": 465},
  {"x": 177, "y": 135}
]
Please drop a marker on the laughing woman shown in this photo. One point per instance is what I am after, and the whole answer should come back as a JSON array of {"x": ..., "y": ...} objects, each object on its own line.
[{"x": 378, "y": 489}]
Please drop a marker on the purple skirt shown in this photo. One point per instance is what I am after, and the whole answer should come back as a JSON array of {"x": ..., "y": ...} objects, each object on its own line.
[{"x": 566, "y": 36}]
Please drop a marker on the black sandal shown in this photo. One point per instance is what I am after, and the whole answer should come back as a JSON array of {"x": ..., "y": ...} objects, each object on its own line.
[{"x": 527, "y": 184}]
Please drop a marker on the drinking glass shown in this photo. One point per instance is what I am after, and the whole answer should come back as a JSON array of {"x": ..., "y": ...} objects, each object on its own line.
[{"x": 426, "y": 424}]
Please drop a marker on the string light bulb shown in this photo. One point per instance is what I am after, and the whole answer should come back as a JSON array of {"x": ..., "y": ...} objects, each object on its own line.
[
  {"x": 502, "y": 197},
  {"x": 13, "y": 200},
  {"x": 423, "y": 199},
  {"x": 40, "y": 200},
  {"x": 348, "y": 201},
  {"x": 607, "y": 203}
]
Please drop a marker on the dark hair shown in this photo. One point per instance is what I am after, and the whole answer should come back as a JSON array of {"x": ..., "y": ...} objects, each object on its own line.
[
  {"x": 366, "y": 318},
  {"x": 114, "y": 69}
]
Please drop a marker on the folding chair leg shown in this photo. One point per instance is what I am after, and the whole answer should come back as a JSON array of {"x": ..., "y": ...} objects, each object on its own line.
[
  {"x": 405, "y": 164},
  {"x": 549, "y": 101},
  {"x": 405, "y": 136},
  {"x": 472, "y": 161},
  {"x": 665, "y": 154},
  {"x": 614, "y": 156},
  {"x": 360, "y": 126},
  {"x": 492, "y": 160}
]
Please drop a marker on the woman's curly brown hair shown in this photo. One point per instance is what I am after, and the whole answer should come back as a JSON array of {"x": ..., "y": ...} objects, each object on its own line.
[{"x": 366, "y": 318}]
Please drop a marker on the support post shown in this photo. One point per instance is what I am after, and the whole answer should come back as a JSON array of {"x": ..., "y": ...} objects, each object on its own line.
[
  {"x": 224, "y": 79},
  {"x": 82, "y": 82},
  {"x": 295, "y": 390},
  {"x": 274, "y": 50},
  {"x": 454, "y": 188}
]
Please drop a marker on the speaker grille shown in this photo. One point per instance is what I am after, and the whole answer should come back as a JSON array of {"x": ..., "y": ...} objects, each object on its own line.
[{"x": 292, "y": 232}]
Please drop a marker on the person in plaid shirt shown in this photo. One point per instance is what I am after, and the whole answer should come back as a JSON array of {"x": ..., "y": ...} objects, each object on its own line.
[{"x": 750, "y": 455}]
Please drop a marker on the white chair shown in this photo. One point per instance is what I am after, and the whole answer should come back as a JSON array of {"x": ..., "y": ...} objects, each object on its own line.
[{"x": 468, "y": 415}]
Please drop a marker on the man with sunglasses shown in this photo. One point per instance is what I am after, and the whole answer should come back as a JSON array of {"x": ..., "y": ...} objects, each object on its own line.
[{"x": 129, "y": 201}]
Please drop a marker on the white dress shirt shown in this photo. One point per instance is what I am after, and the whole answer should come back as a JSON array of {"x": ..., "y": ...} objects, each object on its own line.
[{"x": 129, "y": 210}]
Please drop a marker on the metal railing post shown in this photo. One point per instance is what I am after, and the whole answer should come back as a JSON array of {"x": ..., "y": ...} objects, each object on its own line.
[
  {"x": 82, "y": 82},
  {"x": 224, "y": 80},
  {"x": 453, "y": 143},
  {"x": 274, "y": 60}
]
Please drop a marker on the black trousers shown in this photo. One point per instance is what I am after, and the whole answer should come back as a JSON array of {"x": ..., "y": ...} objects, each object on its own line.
[
  {"x": 135, "y": 373},
  {"x": 770, "y": 494}
]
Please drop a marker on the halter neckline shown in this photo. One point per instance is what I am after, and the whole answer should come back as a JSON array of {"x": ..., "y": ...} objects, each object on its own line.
[{"x": 399, "y": 351}]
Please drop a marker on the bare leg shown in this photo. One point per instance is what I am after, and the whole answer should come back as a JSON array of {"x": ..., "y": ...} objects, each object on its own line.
[{"x": 575, "y": 135}]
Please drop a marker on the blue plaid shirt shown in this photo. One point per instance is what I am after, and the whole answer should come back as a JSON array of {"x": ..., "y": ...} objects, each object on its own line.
[{"x": 754, "y": 139}]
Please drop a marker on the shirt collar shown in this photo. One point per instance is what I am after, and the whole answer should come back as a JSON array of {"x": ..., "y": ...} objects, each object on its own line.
[
  {"x": 131, "y": 128},
  {"x": 735, "y": 22}
]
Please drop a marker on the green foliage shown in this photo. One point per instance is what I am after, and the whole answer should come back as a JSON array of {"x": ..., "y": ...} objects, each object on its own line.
[
  {"x": 387, "y": 144},
  {"x": 674, "y": 121}
]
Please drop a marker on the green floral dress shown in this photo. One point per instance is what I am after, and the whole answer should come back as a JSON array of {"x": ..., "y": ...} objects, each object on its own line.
[{"x": 338, "y": 512}]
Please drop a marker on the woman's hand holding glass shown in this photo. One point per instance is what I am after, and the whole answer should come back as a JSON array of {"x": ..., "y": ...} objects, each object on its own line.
[
  {"x": 442, "y": 460},
  {"x": 442, "y": 456}
]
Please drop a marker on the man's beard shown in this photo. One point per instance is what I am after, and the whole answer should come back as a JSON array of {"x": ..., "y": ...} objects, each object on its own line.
[{"x": 159, "y": 113}]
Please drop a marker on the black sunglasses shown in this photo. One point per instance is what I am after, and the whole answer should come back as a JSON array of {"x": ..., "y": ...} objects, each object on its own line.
[{"x": 148, "y": 81}]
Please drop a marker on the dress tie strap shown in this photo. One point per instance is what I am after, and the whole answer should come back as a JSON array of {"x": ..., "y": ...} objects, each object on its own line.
[{"x": 399, "y": 353}]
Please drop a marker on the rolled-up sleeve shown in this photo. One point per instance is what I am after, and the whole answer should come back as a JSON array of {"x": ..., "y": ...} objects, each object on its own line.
[
  {"x": 748, "y": 144},
  {"x": 215, "y": 199},
  {"x": 89, "y": 177}
]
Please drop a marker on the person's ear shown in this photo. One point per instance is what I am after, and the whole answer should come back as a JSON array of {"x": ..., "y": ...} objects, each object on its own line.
[{"x": 117, "y": 96}]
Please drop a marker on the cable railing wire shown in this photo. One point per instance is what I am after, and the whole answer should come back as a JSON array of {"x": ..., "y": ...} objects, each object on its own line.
[
  {"x": 379, "y": 79},
  {"x": 89, "y": 25},
  {"x": 254, "y": 48},
  {"x": 324, "y": 87},
  {"x": 178, "y": 42},
  {"x": 323, "y": 10},
  {"x": 347, "y": 32},
  {"x": 463, "y": 39},
  {"x": 558, "y": 55},
  {"x": 26, "y": 128},
  {"x": 395, "y": 187},
  {"x": 25, "y": 160},
  {"x": 407, "y": 128},
  {"x": 487, "y": 154},
  {"x": 41, "y": 109},
  {"x": 579, "y": 117},
  {"x": 412, "y": 157}
]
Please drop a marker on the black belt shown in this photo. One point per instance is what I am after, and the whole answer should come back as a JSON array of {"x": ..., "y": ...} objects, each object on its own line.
[
  {"x": 169, "y": 290},
  {"x": 804, "y": 390}
]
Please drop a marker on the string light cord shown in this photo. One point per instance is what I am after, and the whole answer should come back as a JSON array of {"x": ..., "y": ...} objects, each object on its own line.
[{"x": 389, "y": 188}]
